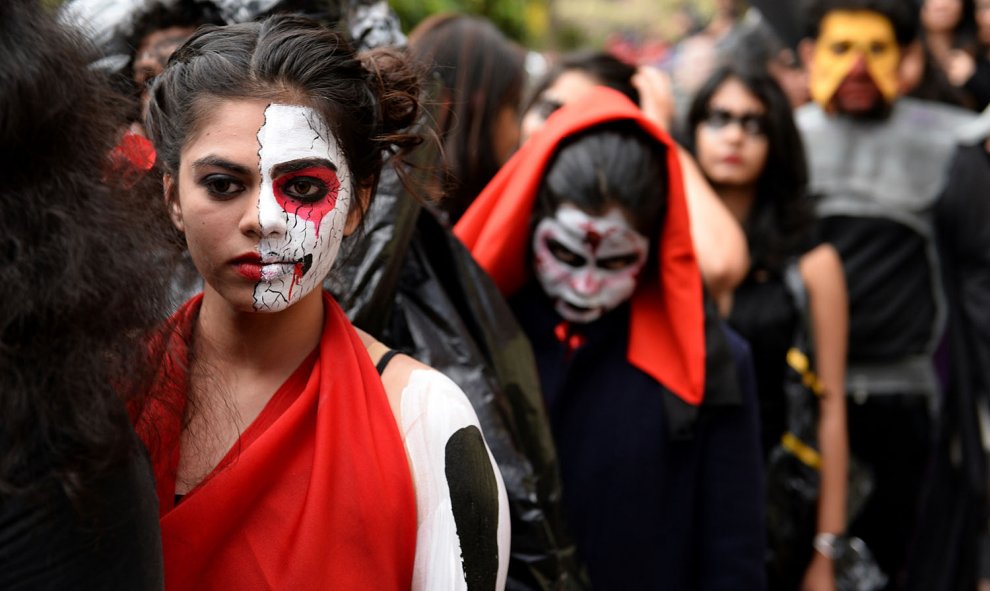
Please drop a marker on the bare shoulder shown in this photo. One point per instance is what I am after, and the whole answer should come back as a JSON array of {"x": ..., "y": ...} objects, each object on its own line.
[
  {"x": 415, "y": 390},
  {"x": 821, "y": 270}
]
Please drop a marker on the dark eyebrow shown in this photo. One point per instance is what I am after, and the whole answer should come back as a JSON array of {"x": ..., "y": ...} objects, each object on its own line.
[
  {"x": 294, "y": 165},
  {"x": 221, "y": 163}
]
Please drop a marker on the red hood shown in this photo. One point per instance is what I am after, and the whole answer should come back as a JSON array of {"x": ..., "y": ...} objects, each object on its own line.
[{"x": 666, "y": 335}]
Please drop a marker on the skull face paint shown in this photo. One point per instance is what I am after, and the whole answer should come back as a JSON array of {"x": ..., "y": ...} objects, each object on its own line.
[
  {"x": 845, "y": 38},
  {"x": 587, "y": 264},
  {"x": 303, "y": 202}
]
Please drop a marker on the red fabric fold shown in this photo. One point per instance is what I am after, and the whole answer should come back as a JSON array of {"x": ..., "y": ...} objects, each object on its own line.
[
  {"x": 316, "y": 494},
  {"x": 666, "y": 336}
]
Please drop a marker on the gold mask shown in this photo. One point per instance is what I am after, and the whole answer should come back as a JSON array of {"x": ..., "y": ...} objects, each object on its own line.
[{"x": 844, "y": 37}]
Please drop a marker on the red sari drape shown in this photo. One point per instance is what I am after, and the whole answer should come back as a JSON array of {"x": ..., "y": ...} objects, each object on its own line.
[{"x": 317, "y": 492}]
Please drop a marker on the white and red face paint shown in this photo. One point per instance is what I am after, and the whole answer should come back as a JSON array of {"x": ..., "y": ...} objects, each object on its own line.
[
  {"x": 303, "y": 203},
  {"x": 588, "y": 264}
]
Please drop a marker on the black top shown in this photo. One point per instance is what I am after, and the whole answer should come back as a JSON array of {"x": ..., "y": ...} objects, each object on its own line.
[
  {"x": 648, "y": 510},
  {"x": 45, "y": 543},
  {"x": 978, "y": 84},
  {"x": 764, "y": 313},
  {"x": 891, "y": 304}
]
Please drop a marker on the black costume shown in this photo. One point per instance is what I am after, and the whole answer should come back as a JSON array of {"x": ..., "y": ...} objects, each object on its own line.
[
  {"x": 876, "y": 182},
  {"x": 650, "y": 508},
  {"x": 955, "y": 548},
  {"x": 111, "y": 541}
]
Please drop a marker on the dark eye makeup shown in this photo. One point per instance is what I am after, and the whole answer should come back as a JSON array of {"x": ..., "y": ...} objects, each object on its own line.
[
  {"x": 617, "y": 263},
  {"x": 221, "y": 186},
  {"x": 305, "y": 189},
  {"x": 753, "y": 124},
  {"x": 564, "y": 254}
]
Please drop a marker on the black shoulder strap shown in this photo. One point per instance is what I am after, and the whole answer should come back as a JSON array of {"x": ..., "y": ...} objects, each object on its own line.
[{"x": 383, "y": 362}]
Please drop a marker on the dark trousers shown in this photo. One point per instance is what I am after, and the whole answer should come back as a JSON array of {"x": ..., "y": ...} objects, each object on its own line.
[{"x": 892, "y": 434}]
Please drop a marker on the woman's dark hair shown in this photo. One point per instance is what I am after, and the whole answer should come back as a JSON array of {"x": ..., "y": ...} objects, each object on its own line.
[
  {"x": 964, "y": 33},
  {"x": 79, "y": 279},
  {"x": 479, "y": 72},
  {"x": 903, "y": 15},
  {"x": 612, "y": 164},
  {"x": 369, "y": 103},
  {"x": 782, "y": 214},
  {"x": 604, "y": 68}
]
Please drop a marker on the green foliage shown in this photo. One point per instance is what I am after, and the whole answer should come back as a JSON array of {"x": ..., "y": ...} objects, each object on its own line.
[{"x": 521, "y": 20}]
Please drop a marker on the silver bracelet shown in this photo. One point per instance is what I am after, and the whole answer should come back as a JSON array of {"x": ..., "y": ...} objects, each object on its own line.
[{"x": 824, "y": 544}]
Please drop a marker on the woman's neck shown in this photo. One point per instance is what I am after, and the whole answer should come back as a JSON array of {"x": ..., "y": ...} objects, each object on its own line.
[
  {"x": 738, "y": 200},
  {"x": 940, "y": 45},
  {"x": 257, "y": 342}
]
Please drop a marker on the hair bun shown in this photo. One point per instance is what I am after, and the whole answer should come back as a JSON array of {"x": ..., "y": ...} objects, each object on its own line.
[{"x": 396, "y": 81}]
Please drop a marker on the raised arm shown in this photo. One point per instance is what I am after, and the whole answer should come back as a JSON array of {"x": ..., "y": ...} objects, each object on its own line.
[{"x": 719, "y": 242}]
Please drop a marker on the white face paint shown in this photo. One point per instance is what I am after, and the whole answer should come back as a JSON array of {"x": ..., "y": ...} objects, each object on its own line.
[
  {"x": 304, "y": 199},
  {"x": 588, "y": 264}
]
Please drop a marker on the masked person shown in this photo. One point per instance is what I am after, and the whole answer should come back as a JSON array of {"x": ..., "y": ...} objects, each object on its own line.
[
  {"x": 291, "y": 450},
  {"x": 586, "y": 230},
  {"x": 877, "y": 163}
]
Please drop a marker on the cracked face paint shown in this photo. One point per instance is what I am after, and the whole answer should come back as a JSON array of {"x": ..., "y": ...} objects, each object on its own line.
[
  {"x": 303, "y": 201},
  {"x": 587, "y": 264}
]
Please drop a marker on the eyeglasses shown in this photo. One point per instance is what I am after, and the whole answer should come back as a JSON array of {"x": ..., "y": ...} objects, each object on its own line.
[{"x": 752, "y": 124}]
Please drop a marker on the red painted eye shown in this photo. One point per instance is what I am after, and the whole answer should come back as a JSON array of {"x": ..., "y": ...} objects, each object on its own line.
[{"x": 310, "y": 193}]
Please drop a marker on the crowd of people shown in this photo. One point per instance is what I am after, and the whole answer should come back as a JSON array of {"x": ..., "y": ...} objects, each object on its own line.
[{"x": 296, "y": 300}]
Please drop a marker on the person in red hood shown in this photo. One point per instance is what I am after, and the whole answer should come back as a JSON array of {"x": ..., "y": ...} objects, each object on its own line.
[{"x": 586, "y": 230}]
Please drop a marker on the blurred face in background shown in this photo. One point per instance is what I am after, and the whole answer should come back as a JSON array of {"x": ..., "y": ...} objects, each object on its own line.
[
  {"x": 731, "y": 141},
  {"x": 588, "y": 264},
  {"x": 152, "y": 55},
  {"x": 570, "y": 86},
  {"x": 855, "y": 63},
  {"x": 983, "y": 21},
  {"x": 941, "y": 16}
]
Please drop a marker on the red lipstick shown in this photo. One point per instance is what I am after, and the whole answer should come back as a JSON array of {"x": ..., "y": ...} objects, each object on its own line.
[{"x": 248, "y": 265}]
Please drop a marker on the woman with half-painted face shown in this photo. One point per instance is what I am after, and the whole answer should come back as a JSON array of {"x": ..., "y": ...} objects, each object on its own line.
[
  {"x": 586, "y": 230},
  {"x": 284, "y": 457}
]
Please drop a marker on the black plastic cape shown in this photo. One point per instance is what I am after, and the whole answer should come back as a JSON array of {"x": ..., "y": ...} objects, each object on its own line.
[{"x": 406, "y": 280}]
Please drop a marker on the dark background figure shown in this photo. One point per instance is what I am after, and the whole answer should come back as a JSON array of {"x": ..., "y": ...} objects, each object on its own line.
[
  {"x": 81, "y": 287},
  {"x": 878, "y": 162},
  {"x": 662, "y": 476},
  {"x": 955, "y": 553},
  {"x": 743, "y": 135},
  {"x": 948, "y": 35},
  {"x": 478, "y": 76},
  {"x": 157, "y": 32}
]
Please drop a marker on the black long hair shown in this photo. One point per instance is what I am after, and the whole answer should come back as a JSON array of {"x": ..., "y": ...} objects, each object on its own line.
[
  {"x": 479, "y": 72},
  {"x": 79, "y": 279},
  {"x": 782, "y": 215}
]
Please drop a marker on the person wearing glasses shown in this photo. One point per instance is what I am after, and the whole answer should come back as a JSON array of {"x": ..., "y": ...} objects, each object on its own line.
[{"x": 746, "y": 143}]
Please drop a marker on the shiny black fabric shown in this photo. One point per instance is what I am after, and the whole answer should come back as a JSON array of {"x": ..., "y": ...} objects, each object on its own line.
[{"x": 405, "y": 279}]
